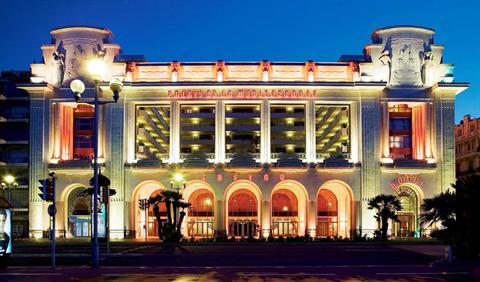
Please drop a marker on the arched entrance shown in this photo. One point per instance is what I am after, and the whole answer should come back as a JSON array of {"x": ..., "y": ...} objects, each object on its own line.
[
  {"x": 289, "y": 209},
  {"x": 243, "y": 209},
  {"x": 327, "y": 214},
  {"x": 407, "y": 225},
  {"x": 284, "y": 213},
  {"x": 201, "y": 214},
  {"x": 146, "y": 190},
  {"x": 79, "y": 213},
  {"x": 334, "y": 209}
]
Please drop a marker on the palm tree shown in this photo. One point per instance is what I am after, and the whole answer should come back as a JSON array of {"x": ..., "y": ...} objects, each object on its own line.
[
  {"x": 169, "y": 231},
  {"x": 457, "y": 211},
  {"x": 387, "y": 207}
]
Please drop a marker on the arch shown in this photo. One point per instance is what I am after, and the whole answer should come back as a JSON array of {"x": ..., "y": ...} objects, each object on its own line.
[
  {"x": 199, "y": 224},
  {"x": 142, "y": 191},
  {"x": 301, "y": 196},
  {"x": 410, "y": 196},
  {"x": 64, "y": 196},
  {"x": 344, "y": 197},
  {"x": 244, "y": 185}
]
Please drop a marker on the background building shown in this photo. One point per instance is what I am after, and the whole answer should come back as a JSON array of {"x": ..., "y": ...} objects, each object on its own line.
[
  {"x": 268, "y": 148},
  {"x": 467, "y": 146},
  {"x": 14, "y": 150}
]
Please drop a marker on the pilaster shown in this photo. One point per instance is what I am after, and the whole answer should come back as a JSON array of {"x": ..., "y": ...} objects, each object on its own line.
[
  {"x": 39, "y": 132},
  {"x": 175, "y": 132},
  {"x": 219, "y": 132},
  {"x": 266, "y": 219},
  {"x": 371, "y": 125},
  {"x": 114, "y": 121},
  {"x": 312, "y": 218},
  {"x": 265, "y": 132},
  {"x": 310, "y": 132}
]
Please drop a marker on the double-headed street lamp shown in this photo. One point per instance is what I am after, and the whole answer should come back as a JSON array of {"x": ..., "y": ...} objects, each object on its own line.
[
  {"x": 9, "y": 183},
  {"x": 96, "y": 68}
]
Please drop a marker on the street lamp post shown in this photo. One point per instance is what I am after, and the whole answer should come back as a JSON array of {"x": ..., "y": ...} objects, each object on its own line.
[
  {"x": 96, "y": 68},
  {"x": 9, "y": 183}
]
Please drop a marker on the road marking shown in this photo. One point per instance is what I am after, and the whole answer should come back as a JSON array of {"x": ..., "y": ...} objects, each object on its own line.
[
  {"x": 29, "y": 274},
  {"x": 422, "y": 273},
  {"x": 282, "y": 274}
]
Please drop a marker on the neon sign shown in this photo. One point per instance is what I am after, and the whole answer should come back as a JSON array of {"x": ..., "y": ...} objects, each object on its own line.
[{"x": 241, "y": 94}]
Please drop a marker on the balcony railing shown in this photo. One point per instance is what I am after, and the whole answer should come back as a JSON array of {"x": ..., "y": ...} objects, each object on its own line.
[
  {"x": 275, "y": 156},
  {"x": 184, "y": 156},
  {"x": 229, "y": 156}
]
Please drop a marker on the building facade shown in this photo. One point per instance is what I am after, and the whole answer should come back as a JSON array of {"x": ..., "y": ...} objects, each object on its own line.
[
  {"x": 467, "y": 146},
  {"x": 267, "y": 148}
]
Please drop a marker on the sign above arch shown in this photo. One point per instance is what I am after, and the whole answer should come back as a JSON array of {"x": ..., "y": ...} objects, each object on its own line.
[{"x": 406, "y": 179}]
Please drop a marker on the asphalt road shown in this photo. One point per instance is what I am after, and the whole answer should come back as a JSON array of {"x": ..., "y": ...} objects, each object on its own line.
[{"x": 242, "y": 262}]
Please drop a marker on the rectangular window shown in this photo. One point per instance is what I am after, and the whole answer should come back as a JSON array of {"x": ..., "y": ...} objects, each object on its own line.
[{"x": 242, "y": 130}]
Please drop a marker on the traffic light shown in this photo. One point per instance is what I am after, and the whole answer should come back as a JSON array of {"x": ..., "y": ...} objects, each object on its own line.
[{"x": 46, "y": 189}]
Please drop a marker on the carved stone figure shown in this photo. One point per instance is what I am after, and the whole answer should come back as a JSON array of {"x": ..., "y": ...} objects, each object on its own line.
[
  {"x": 58, "y": 64},
  {"x": 427, "y": 60},
  {"x": 386, "y": 61}
]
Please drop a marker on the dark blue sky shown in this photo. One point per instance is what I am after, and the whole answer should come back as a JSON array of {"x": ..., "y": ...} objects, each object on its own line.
[{"x": 195, "y": 30}]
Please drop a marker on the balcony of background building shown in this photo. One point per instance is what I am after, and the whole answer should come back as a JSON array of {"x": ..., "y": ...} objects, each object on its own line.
[
  {"x": 153, "y": 135},
  {"x": 197, "y": 134},
  {"x": 332, "y": 135}
]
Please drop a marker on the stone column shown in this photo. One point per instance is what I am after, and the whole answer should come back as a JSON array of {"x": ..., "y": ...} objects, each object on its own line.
[
  {"x": 265, "y": 132},
  {"x": 114, "y": 139},
  {"x": 219, "y": 132},
  {"x": 310, "y": 132},
  {"x": 266, "y": 219},
  {"x": 312, "y": 218},
  {"x": 445, "y": 140},
  {"x": 175, "y": 132}
]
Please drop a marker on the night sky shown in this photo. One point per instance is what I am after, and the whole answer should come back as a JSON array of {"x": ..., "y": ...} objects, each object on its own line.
[{"x": 247, "y": 30}]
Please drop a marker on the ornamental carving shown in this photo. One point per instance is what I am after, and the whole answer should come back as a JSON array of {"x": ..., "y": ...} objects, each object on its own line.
[{"x": 407, "y": 61}]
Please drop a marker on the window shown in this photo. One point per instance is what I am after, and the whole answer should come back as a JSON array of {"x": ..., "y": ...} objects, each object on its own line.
[
  {"x": 83, "y": 124},
  {"x": 400, "y": 142},
  {"x": 401, "y": 124}
]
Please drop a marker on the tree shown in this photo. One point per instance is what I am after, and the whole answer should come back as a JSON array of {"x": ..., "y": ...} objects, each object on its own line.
[
  {"x": 387, "y": 207},
  {"x": 169, "y": 231},
  {"x": 458, "y": 213}
]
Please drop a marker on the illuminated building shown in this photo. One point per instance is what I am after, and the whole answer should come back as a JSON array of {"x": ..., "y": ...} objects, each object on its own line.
[
  {"x": 467, "y": 146},
  {"x": 268, "y": 148}
]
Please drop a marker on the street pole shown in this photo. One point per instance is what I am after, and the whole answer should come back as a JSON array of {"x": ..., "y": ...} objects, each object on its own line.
[
  {"x": 54, "y": 184},
  {"x": 146, "y": 224},
  {"x": 95, "y": 249},
  {"x": 107, "y": 220}
]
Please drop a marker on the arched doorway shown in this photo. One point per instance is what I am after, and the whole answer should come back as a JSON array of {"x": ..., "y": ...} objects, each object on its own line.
[
  {"x": 407, "y": 225},
  {"x": 327, "y": 214},
  {"x": 284, "y": 213},
  {"x": 295, "y": 218},
  {"x": 201, "y": 214},
  {"x": 243, "y": 214},
  {"x": 79, "y": 213},
  {"x": 146, "y": 190},
  {"x": 334, "y": 209}
]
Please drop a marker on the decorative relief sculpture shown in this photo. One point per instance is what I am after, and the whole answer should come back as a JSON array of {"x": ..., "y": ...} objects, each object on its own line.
[
  {"x": 77, "y": 52},
  {"x": 406, "y": 62}
]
